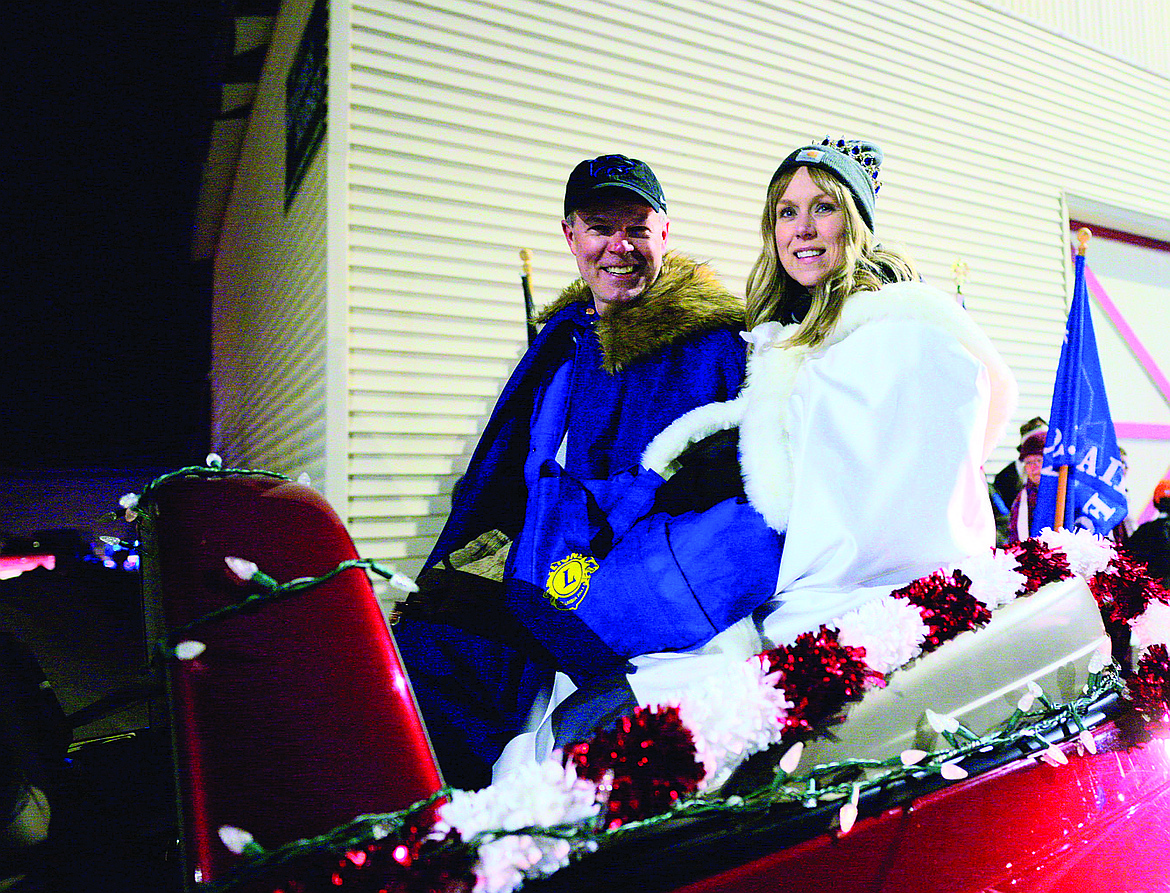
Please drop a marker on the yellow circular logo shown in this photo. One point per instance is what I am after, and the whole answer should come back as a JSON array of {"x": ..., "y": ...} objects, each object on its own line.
[{"x": 568, "y": 581}]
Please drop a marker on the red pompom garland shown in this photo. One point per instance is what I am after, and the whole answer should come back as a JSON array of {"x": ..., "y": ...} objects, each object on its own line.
[
  {"x": 1149, "y": 686},
  {"x": 1126, "y": 590},
  {"x": 1039, "y": 563},
  {"x": 948, "y": 608},
  {"x": 819, "y": 675},
  {"x": 652, "y": 757}
]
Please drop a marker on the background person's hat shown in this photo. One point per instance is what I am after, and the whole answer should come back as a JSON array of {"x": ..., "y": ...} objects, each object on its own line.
[
  {"x": 1162, "y": 496},
  {"x": 612, "y": 172},
  {"x": 1036, "y": 423},
  {"x": 1033, "y": 444}
]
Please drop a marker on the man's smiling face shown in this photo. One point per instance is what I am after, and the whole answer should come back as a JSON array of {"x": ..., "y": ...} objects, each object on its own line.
[{"x": 618, "y": 241}]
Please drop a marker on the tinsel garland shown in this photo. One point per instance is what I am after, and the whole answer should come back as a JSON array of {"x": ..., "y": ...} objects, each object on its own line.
[
  {"x": 1126, "y": 590},
  {"x": 647, "y": 759},
  {"x": 948, "y": 607},
  {"x": 819, "y": 675},
  {"x": 1149, "y": 686},
  {"x": 1039, "y": 563}
]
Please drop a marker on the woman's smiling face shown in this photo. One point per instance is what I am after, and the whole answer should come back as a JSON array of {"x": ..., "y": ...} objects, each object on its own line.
[{"x": 810, "y": 230}]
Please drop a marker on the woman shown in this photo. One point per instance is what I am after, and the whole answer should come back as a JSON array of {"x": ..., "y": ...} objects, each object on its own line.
[
  {"x": 864, "y": 433},
  {"x": 871, "y": 404}
]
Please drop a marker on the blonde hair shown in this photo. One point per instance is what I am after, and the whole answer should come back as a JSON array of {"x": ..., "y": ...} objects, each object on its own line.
[{"x": 865, "y": 266}]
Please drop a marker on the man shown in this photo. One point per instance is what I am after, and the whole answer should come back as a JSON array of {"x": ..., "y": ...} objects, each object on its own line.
[{"x": 641, "y": 337}]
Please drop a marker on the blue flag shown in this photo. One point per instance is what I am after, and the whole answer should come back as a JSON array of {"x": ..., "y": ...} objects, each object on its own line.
[{"x": 1080, "y": 433}]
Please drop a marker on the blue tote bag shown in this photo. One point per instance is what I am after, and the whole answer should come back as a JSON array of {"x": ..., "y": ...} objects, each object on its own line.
[{"x": 600, "y": 575}]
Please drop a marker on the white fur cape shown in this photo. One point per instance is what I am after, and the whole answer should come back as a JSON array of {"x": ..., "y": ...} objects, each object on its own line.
[{"x": 760, "y": 409}]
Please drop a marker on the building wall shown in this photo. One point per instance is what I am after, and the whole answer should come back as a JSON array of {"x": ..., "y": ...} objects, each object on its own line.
[
  {"x": 271, "y": 333},
  {"x": 466, "y": 116},
  {"x": 1129, "y": 288},
  {"x": 1133, "y": 30},
  {"x": 1132, "y": 280}
]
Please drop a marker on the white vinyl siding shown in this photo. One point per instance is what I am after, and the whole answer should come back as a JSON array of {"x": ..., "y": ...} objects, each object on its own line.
[
  {"x": 465, "y": 117},
  {"x": 1133, "y": 30},
  {"x": 269, "y": 366}
]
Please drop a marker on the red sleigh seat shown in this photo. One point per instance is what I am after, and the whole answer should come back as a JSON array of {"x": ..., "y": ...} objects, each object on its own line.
[{"x": 298, "y": 717}]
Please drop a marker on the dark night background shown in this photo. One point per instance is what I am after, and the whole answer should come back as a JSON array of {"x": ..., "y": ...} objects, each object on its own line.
[
  {"x": 105, "y": 321},
  {"x": 105, "y": 328}
]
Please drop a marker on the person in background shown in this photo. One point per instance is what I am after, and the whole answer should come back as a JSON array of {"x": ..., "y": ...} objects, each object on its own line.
[
  {"x": 643, "y": 336},
  {"x": 1010, "y": 479},
  {"x": 1150, "y": 543},
  {"x": 1024, "y": 505}
]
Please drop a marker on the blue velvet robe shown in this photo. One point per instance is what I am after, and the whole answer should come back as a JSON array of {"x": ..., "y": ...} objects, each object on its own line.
[{"x": 474, "y": 693}]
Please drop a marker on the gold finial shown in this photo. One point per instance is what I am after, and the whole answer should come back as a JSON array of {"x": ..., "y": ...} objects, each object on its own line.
[
  {"x": 1083, "y": 236},
  {"x": 960, "y": 273},
  {"x": 526, "y": 260}
]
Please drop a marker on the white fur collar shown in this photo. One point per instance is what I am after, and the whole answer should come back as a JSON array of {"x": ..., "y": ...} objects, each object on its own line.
[
  {"x": 917, "y": 300},
  {"x": 759, "y": 410}
]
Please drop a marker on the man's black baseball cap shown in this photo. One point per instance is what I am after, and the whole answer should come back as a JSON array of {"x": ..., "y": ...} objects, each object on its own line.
[{"x": 612, "y": 171}]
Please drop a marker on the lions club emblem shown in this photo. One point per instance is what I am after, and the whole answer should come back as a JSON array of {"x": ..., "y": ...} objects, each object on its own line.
[{"x": 568, "y": 581}]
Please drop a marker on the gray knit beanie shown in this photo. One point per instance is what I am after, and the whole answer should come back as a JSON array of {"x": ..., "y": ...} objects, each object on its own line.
[{"x": 856, "y": 163}]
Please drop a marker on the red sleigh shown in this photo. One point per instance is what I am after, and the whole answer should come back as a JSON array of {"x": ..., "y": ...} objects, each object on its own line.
[{"x": 295, "y": 719}]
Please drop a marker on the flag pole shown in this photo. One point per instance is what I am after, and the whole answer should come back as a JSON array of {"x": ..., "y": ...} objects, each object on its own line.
[
  {"x": 1083, "y": 236},
  {"x": 526, "y": 284}
]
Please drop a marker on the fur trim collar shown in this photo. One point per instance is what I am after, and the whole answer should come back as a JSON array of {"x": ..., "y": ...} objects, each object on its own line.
[
  {"x": 917, "y": 300},
  {"x": 685, "y": 300},
  {"x": 765, "y": 452}
]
